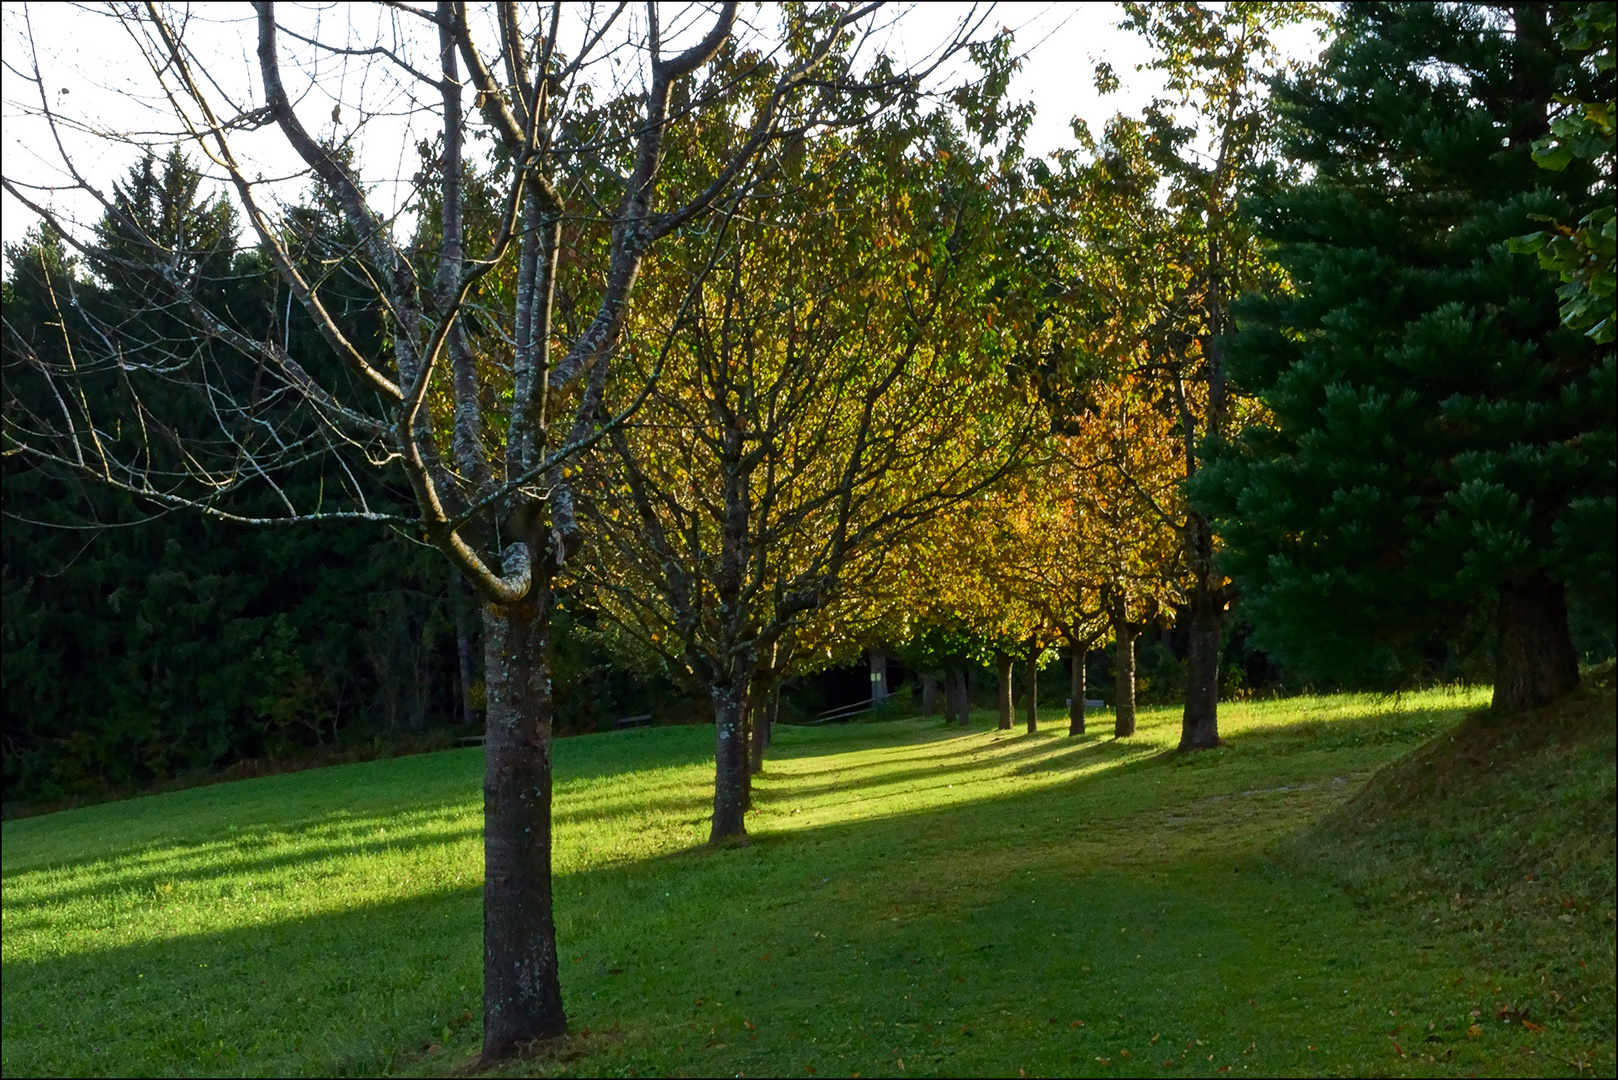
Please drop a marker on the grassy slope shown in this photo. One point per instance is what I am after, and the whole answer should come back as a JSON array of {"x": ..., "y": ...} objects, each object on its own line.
[{"x": 917, "y": 900}]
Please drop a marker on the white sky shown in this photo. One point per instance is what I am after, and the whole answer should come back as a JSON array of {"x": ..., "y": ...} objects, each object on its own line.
[{"x": 95, "y": 75}]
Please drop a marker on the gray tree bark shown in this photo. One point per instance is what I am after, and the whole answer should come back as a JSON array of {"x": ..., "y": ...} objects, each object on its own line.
[
  {"x": 730, "y": 757},
  {"x": 759, "y": 717},
  {"x": 1124, "y": 708},
  {"x": 1003, "y": 689},
  {"x": 522, "y": 993},
  {"x": 956, "y": 704},
  {"x": 1199, "y": 725},
  {"x": 463, "y": 605},
  {"x": 1031, "y": 691},
  {"x": 1076, "y": 690},
  {"x": 1534, "y": 659},
  {"x": 929, "y": 693}
]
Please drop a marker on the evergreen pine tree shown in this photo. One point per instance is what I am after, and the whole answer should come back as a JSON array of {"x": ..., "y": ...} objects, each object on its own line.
[{"x": 1436, "y": 466}]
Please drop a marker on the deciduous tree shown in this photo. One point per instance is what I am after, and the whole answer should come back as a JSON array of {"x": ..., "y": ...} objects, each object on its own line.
[
  {"x": 579, "y": 162},
  {"x": 828, "y": 386}
]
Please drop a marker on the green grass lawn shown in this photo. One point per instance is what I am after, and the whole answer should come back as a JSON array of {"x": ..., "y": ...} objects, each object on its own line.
[{"x": 916, "y": 900}]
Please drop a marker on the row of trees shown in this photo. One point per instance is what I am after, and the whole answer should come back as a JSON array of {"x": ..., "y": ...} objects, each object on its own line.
[{"x": 768, "y": 354}]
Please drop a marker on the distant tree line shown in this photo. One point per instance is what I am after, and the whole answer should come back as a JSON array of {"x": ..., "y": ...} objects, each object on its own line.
[{"x": 138, "y": 643}]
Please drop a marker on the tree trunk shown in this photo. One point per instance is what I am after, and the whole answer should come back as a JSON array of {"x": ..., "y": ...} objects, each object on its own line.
[
  {"x": 463, "y": 604},
  {"x": 1003, "y": 690},
  {"x": 758, "y": 729},
  {"x": 522, "y": 995},
  {"x": 747, "y": 751},
  {"x": 963, "y": 696},
  {"x": 1031, "y": 685},
  {"x": 879, "y": 676},
  {"x": 1124, "y": 707},
  {"x": 730, "y": 764},
  {"x": 1199, "y": 726},
  {"x": 929, "y": 694},
  {"x": 1534, "y": 660},
  {"x": 1076, "y": 687}
]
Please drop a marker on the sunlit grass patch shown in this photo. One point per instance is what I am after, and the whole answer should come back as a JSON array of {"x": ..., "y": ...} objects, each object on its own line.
[{"x": 959, "y": 899}]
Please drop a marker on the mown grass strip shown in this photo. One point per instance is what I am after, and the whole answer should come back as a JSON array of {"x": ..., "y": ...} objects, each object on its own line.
[{"x": 961, "y": 901}]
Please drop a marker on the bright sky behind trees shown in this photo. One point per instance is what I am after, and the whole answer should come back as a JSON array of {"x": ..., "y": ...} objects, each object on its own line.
[{"x": 95, "y": 75}]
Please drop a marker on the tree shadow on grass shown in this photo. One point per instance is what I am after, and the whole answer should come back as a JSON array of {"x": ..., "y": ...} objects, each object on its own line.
[
  {"x": 980, "y": 758},
  {"x": 443, "y": 783},
  {"x": 341, "y": 993},
  {"x": 841, "y": 944},
  {"x": 192, "y": 867}
]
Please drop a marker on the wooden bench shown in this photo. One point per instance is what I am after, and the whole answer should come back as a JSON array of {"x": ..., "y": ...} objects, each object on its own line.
[{"x": 634, "y": 721}]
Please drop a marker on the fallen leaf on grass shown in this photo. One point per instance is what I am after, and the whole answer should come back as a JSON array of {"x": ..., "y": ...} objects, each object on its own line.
[
  {"x": 1125, "y": 1053},
  {"x": 1168, "y": 1063},
  {"x": 1154, "y": 1040},
  {"x": 1076, "y": 1023},
  {"x": 1531, "y": 1026},
  {"x": 749, "y": 1025},
  {"x": 1473, "y": 1032}
]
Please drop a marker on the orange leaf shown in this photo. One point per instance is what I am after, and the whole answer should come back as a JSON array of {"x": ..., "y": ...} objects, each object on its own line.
[
  {"x": 1473, "y": 1032},
  {"x": 1531, "y": 1026}
]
